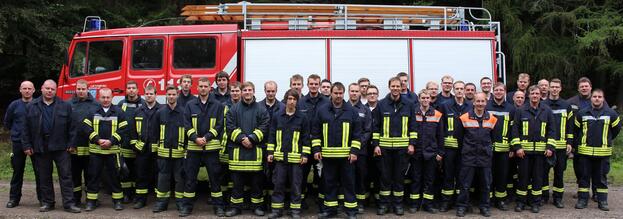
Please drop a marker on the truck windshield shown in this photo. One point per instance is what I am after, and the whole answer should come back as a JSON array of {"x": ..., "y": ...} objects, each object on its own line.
[{"x": 96, "y": 57}]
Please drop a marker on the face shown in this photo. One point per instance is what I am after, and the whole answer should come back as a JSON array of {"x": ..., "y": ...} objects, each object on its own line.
[
  {"x": 313, "y": 85},
  {"x": 585, "y": 88},
  {"x": 353, "y": 93},
  {"x": 186, "y": 82},
  {"x": 105, "y": 98},
  {"x": 433, "y": 89},
  {"x": 81, "y": 91},
  {"x": 404, "y": 80},
  {"x": 204, "y": 88},
  {"x": 363, "y": 87},
  {"x": 543, "y": 86},
  {"x": 325, "y": 88},
  {"x": 470, "y": 91},
  {"x": 459, "y": 90},
  {"x": 234, "y": 92},
  {"x": 172, "y": 96},
  {"x": 446, "y": 84},
  {"x": 222, "y": 83},
  {"x": 485, "y": 85},
  {"x": 597, "y": 99},
  {"x": 48, "y": 89},
  {"x": 291, "y": 102},
  {"x": 522, "y": 83},
  {"x": 395, "y": 87},
  {"x": 499, "y": 92},
  {"x": 535, "y": 96},
  {"x": 519, "y": 98},
  {"x": 296, "y": 84},
  {"x": 425, "y": 100},
  {"x": 554, "y": 89},
  {"x": 27, "y": 89},
  {"x": 247, "y": 93},
  {"x": 480, "y": 101},
  {"x": 270, "y": 90},
  {"x": 337, "y": 95},
  {"x": 373, "y": 95},
  {"x": 150, "y": 96},
  {"x": 131, "y": 90}
]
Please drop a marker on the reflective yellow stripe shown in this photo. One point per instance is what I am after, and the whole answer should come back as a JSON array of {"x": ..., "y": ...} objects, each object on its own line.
[
  {"x": 556, "y": 189},
  {"x": 505, "y": 127},
  {"x": 117, "y": 195},
  {"x": 330, "y": 203},
  {"x": 533, "y": 146},
  {"x": 325, "y": 134},
  {"x": 92, "y": 196},
  {"x": 414, "y": 196},
  {"x": 189, "y": 195},
  {"x": 386, "y": 126},
  {"x": 236, "y": 200},
  {"x": 88, "y": 122},
  {"x": 616, "y": 122},
  {"x": 257, "y": 200},
  {"x": 451, "y": 142},
  {"x": 295, "y": 141},
  {"x": 563, "y": 127},
  {"x": 212, "y": 130},
  {"x": 450, "y": 123},
  {"x": 139, "y": 125},
  {"x": 276, "y": 205},
  {"x": 543, "y": 125},
  {"x": 345, "y": 134},
  {"x": 521, "y": 192},
  {"x": 141, "y": 191},
  {"x": 428, "y": 196},
  {"x": 295, "y": 206},
  {"x": 405, "y": 130},
  {"x": 604, "y": 133},
  {"x": 501, "y": 147},
  {"x": 584, "y": 132},
  {"x": 278, "y": 137},
  {"x": 525, "y": 127},
  {"x": 96, "y": 128},
  {"x": 582, "y": 189},
  {"x": 235, "y": 133},
  {"x": 259, "y": 134},
  {"x": 597, "y": 151},
  {"x": 500, "y": 194},
  {"x": 350, "y": 204},
  {"x": 376, "y": 136},
  {"x": 602, "y": 190}
]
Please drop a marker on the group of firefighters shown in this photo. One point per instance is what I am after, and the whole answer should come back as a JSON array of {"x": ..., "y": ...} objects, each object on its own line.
[{"x": 417, "y": 151}]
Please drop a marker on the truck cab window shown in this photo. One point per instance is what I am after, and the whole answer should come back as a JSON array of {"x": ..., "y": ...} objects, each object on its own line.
[
  {"x": 79, "y": 60},
  {"x": 147, "y": 54},
  {"x": 105, "y": 56},
  {"x": 194, "y": 53}
]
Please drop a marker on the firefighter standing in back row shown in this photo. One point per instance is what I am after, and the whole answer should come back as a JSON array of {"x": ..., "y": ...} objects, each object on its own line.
[
  {"x": 393, "y": 139},
  {"x": 475, "y": 134},
  {"x": 336, "y": 135},
  {"x": 563, "y": 135},
  {"x": 595, "y": 129},
  {"x": 128, "y": 105},
  {"x": 106, "y": 128},
  {"x": 204, "y": 122},
  {"x": 361, "y": 166},
  {"x": 532, "y": 142},
  {"x": 169, "y": 126},
  {"x": 145, "y": 144}
]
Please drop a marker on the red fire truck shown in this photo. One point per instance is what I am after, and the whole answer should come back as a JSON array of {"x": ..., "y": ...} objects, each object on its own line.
[{"x": 261, "y": 42}]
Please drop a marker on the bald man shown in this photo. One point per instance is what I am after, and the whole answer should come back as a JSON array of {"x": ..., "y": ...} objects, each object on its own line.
[{"x": 14, "y": 122}]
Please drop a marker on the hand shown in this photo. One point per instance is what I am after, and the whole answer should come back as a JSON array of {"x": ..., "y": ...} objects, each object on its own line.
[
  {"x": 318, "y": 156},
  {"x": 377, "y": 151},
  {"x": 101, "y": 142},
  {"x": 246, "y": 143},
  {"x": 410, "y": 150},
  {"x": 303, "y": 160},
  {"x": 569, "y": 149},
  {"x": 106, "y": 144},
  {"x": 352, "y": 158},
  {"x": 270, "y": 158},
  {"x": 28, "y": 152},
  {"x": 200, "y": 141},
  {"x": 570, "y": 155},
  {"x": 520, "y": 153},
  {"x": 511, "y": 154},
  {"x": 71, "y": 149},
  {"x": 548, "y": 153},
  {"x": 439, "y": 157}
]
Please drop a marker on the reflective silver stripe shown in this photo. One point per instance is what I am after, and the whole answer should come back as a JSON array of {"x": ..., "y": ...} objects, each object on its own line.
[
  {"x": 559, "y": 111},
  {"x": 101, "y": 118},
  {"x": 585, "y": 118},
  {"x": 499, "y": 113}
]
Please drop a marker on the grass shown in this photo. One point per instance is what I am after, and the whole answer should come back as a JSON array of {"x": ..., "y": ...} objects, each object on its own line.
[{"x": 6, "y": 171}]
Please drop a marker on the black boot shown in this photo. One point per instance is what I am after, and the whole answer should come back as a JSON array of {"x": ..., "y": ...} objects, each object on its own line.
[
  {"x": 327, "y": 214},
  {"x": 117, "y": 205},
  {"x": 139, "y": 203},
  {"x": 259, "y": 211},
  {"x": 485, "y": 212},
  {"x": 381, "y": 210},
  {"x": 443, "y": 207},
  {"x": 460, "y": 212},
  {"x": 581, "y": 204},
  {"x": 91, "y": 205},
  {"x": 161, "y": 205},
  {"x": 501, "y": 205},
  {"x": 519, "y": 207},
  {"x": 296, "y": 214},
  {"x": 558, "y": 203},
  {"x": 12, "y": 203},
  {"x": 603, "y": 205},
  {"x": 232, "y": 212},
  {"x": 399, "y": 210},
  {"x": 276, "y": 213},
  {"x": 360, "y": 208},
  {"x": 219, "y": 211},
  {"x": 185, "y": 211},
  {"x": 535, "y": 208},
  {"x": 414, "y": 208},
  {"x": 430, "y": 209}
]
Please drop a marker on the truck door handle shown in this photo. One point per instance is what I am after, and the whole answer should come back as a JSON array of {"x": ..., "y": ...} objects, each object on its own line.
[{"x": 117, "y": 90}]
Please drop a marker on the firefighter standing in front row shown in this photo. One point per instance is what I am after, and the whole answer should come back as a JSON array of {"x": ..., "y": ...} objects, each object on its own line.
[
  {"x": 204, "y": 123},
  {"x": 532, "y": 142},
  {"x": 475, "y": 135},
  {"x": 595, "y": 129},
  {"x": 106, "y": 127},
  {"x": 247, "y": 125},
  {"x": 336, "y": 142},
  {"x": 128, "y": 105},
  {"x": 170, "y": 128},
  {"x": 393, "y": 139},
  {"x": 288, "y": 148}
]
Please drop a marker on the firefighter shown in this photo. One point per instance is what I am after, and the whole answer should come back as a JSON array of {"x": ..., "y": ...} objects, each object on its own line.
[
  {"x": 336, "y": 135},
  {"x": 82, "y": 104},
  {"x": 106, "y": 128},
  {"x": 532, "y": 139},
  {"x": 563, "y": 135},
  {"x": 405, "y": 91},
  {"x": 504, "y": 112},
  {"x": 204, "y": 123},
  {"x": 170, "y": 128},
  {"x": 185, "y": 96},
  {"x": 288, "y": 148},
  {"x": 451, "y": 110},
  {"x": 428, "y": 152},
  {"x": 128, "y": 105},
  {"x": 272, "y": 105},
  {"x": 247, "y": 124},
  {"x": 475, "y": 135},
  {"x": 447, "y": 84},
  {"x": 595, "y": 129},
  {"x": 221, "y": 93},
  {"x": 145, "y": 144},
  {"x": 393, "y": 139},
  {"x": 361, "y": 166}
]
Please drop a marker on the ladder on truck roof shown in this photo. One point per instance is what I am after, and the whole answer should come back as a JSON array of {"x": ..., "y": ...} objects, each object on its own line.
[{"x": 269, "y": 16}]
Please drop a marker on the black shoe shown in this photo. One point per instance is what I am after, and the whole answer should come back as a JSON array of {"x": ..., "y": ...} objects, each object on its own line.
[
  {"x": 46, "y": 207},
  {"x": 535, "y": 209},
  {"x": 413, "y": 209},
  {"x": 460, "y": 212},
  {"x": 139, "y": 203},
  {"x": 351, "y": 215},
  {"x": 443, "y": 207},
  {"x": 519, "y": 207},
  {"x": 91, "y": 205},
  {"x": 594, "y": 197},
  {"x": 220, "y": 212},
  {"x": 12, "y": 203},
  {"x": 430, "y": 209},
  {"x": 558, "y": 203},
  {"x": 117, "y": 205},
  {"x": 399, "y": 210},
  {"x": 232, "y": 212},
  {"x": 184, "y": 211},
  {"x": 381, "y": 210},
  {"x": 581, "y": 204},
  {"x": 485, "y": 212},
  {"x": 73, "y": 209},
  {"x": 326, "y": 215},
  {"x": 275, "y": 214},
  {"x": 603, "y": 205},
  {"x": 160, "y": 206},
  {"x": 296, "y": 214},
  {"x": 259, "y": 212},
  {"x": 126, "y": 199},
  {"x": 360, "y": 209},
  {"x": 501, "y": 205}
]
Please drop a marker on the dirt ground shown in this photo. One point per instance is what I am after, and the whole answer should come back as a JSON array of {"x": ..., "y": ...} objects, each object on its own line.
[{"x": 28, "y": 208}]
